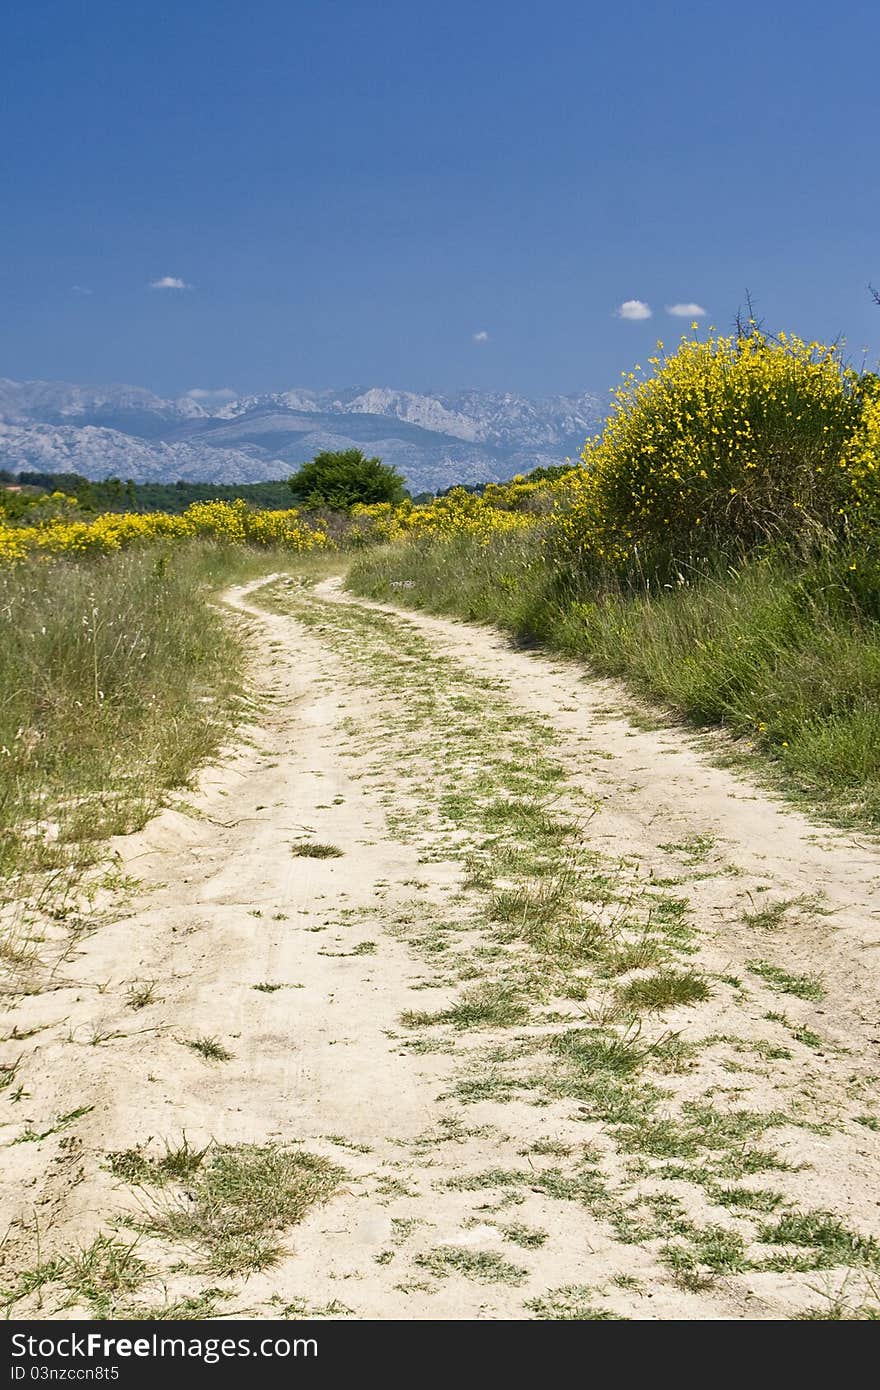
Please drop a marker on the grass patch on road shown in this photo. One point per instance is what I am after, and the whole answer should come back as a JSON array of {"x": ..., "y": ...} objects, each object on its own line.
[
  {"x": 571, "y": 1303},
  {"x": 665, "y": 990},
  {"x": 243, "y": 1198},
  {"x": 311, "y": 849},
  {"x": 485, "y": 1266},
  {"x": 211, "y": 1049},
  {"x": 801, "y": 986},
  {"x": 494, "y": 1004}
]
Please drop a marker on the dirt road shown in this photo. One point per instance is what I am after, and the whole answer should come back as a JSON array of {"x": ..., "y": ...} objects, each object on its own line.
[{"x": 453, "y": 991}]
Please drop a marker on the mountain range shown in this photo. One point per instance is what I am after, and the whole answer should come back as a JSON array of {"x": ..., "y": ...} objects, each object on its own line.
[{"x": 433, "y": 440}]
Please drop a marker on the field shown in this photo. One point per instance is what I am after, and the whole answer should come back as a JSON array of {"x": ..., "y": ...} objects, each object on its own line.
[{"x": 461, "y": 910}]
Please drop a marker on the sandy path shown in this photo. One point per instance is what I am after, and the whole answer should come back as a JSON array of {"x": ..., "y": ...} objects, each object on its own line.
[
  {"x": 419, "y": 1226},
  {"x": 660, "y": 786}
]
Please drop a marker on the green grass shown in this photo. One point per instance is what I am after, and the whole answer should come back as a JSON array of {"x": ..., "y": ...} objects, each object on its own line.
[
  {"x": 841, "y": 1312},
  {"x": 696, "y": 848},
  {"x": 139, "y": 996},
  {"x": 494, "y": 1004},
  {"x": 665, "y": 990},
  {"x": 592, "y": 1050},
  {"x": 711, "y": 1251},
  {"x": 746, "y": 1199},
  {"x": 770, "y": 917},
  {"x": 31, "y": 1136},
  {"x": 178, "y": 1164},
  {"x": 210, "y": 1048},
  {"x": 782, "y": 651},
  {"x": 102, "y": 665},
  {"x": 801, "y": 986},
  {"x": 485, "y": 1266},
  {"x": 99, "y": 1273},
  {"x": 571, "y": 1303},
  {"x": 528, "y": 1237},
  {"x": 242, "y": 1200},
  {"x": 8, "y": 1072},
  {"x": 312, "y": 849},
  {"x": 828, "y": 1239},
  {"x": 100, "y": 1276},
  {"x": 227, "y": 1206}
]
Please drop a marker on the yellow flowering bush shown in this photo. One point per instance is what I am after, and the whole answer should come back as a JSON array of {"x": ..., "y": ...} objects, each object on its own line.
[
  {"x": 731, "y": 441},
  {"x": 502, "y": 507},
  {"x": 222, "y": 521},
  {"x": 861, "y": 463},
  {"x": 464, "y": 513},
  {"x": 377, "y": 523}
]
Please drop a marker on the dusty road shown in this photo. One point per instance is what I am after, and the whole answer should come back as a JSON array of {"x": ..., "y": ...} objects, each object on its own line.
[{"x": 452, "y": 992}]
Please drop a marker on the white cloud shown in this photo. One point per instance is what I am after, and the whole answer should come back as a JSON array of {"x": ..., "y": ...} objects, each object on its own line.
[
  {"x": 686, "y": 311},
  {"x": 634, "y": 309},
  {"x": 169, "y": 282},
  {"x": 481, "y": 337},
  {"x": 80, "y": 289},
  {"x": 222, "y": 393}
]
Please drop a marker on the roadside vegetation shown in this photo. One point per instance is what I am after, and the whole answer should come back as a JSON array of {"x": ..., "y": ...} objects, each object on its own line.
[
  {"x": 53, "y": 525},
  {"x": 118, "y": 679}
]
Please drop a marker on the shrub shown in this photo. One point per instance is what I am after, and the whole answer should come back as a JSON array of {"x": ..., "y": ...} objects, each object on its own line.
[
  {"x": 861, "y": 463},
  {"x": 731, "y": 442},
  {"x": 339, "y": 480},
  {"x": 225, "y": 522}
]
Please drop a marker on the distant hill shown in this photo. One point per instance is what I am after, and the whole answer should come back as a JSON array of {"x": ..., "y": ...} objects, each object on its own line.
[{"x": 434, "y": 441}]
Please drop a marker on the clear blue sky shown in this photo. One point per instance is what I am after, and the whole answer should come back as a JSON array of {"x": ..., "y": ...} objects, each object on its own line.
[{"x": 353, "y": 191}]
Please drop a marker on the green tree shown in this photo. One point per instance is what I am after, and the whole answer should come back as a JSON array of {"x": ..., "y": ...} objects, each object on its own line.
[{"x": 339, "y": 480}]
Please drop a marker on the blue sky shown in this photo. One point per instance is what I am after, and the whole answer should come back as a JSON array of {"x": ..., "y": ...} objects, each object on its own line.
[{"x": 355, "y": 192}]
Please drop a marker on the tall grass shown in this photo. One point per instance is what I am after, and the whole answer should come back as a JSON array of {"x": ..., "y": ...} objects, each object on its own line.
[
  {"x": 782, "y": 652},
  {"x": 117, "y": 678}
]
